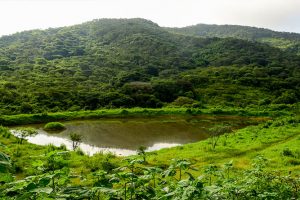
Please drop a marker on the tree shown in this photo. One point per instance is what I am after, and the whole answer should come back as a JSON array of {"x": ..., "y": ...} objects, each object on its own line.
[
  {"x": 23, "y": 133},
  {"x": 76, "y": 140}
]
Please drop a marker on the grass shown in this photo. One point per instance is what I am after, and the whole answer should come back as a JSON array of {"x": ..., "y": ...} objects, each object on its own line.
[
  {"x": 26, "y": 157},
  {"x": 54, "y": 126},
  {"x": 269, "y": 139},
  {"x": 22, "y": 119}
]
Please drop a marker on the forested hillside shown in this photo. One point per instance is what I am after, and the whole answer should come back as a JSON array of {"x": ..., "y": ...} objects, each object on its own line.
[
  {"x": 236, "y": 88},
  {"x": 283, "y": 40},
  {"x": 135, "y": 63}
]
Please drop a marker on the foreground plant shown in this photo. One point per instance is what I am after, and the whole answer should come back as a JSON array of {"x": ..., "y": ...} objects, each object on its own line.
[{"x": 136, "y": 181}]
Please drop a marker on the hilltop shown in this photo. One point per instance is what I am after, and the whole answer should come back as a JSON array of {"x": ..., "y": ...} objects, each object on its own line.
[{"x": 284, "y": 40}]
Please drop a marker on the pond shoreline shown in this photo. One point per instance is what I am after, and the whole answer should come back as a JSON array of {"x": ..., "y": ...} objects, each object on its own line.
[
  {"x": 123, "y": 136},
  {"x": 23, "y": 119}
]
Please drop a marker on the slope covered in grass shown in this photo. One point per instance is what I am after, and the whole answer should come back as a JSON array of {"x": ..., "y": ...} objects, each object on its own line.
[{"x": 271, "y": 140}]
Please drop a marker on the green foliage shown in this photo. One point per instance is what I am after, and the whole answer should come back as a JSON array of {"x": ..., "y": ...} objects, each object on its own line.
[
  {"x": 5, "y": 164},
  {"x": 54, "y": 126},
  {"x": 216, "y": 132},
  {"x": 23, "y": 133},
  {"x": 76, "y": 140},
  {"x": 118, "y": 63},
  {"x": 59, "y": 174},
  {"x": 151, "y": 183},
  {"x": 142, "y": 152},
  {"x": 111, "y": 66},
  {"x": 101, "y": 161},
  {"x": 23, "y": 119},
  {"x": 287, "y": 152},
  {"x": 283, "y": 40},
  {"x": 79, "y": 151},
  {"x": 184, "y": 102}
]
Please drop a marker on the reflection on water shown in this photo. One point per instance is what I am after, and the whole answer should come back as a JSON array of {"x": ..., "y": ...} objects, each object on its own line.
[
  {"x": 45, "y": 139},
  {"x": 124, "y": 136}
]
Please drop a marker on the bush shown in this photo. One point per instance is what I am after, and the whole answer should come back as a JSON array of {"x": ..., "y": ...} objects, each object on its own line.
[
  {"x": 50, "y": 147},
  {"x": 5, "y": 132},
  {"x": 62, "y": 147},
  {"x": 124, "y": 112},
  {"x": 184, "y": 102},
  {"x": 54, "y": 126},
  {"x": 100, "y": 161},
  {"x": 293, "y": 161},
  {"x": 79, "y": 151},
  {"x": 287, "y": 152},
  {"x": 108, "y": 166}
]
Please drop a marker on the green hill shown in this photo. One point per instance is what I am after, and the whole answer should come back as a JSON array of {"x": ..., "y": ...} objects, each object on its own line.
[
  {"x": 283, "y": 40},
  {"x": 124, "y": 63},
  {"x": 134, "y": 62}
]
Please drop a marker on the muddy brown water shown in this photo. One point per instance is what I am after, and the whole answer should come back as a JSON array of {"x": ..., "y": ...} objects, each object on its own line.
[{"x": 124, "y": 136}]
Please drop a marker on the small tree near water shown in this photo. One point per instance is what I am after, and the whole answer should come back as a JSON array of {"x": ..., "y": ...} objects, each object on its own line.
[
  {"x": 24, "y": 133},
  {"x": 76, "y": 140},
  {"x": 216, "y": 132}
]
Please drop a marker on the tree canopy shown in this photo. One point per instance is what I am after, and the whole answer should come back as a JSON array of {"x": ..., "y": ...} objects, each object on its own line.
[{"x": 134, "y": 62}]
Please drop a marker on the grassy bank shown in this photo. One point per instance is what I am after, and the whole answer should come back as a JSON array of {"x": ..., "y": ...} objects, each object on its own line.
[
  {"x": 256, "y": 162},
  {"x": 277, "y": 140},
  {"x": 22, "y": 119},
  {"x": 264, "y": 158}
]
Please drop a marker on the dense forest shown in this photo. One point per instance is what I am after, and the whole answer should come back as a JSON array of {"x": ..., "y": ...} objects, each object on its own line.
[
  {"x": 283, "y": 40},
  {"x": 112, "y": 63}
]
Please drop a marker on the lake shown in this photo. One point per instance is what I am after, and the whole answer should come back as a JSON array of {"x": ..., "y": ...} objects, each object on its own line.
[{"x": 124, "y": 136}]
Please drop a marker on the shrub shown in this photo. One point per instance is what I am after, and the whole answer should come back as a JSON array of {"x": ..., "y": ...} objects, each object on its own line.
[
  {"x": 100, "y": 161},
  {"x": 188, "y": 111},
  {"x": 293, "y": 161},
  {"x": 184, "y": 102},
  {"x": 79, "y": 151},
  {"x": 54, "y": 126},
  {"x": 5, "y": 132},
  {"x": 50, "y": 147},
  {"x": 297, "y": 154},
  {"x": 124, "y": 112},
  {"x": 287, "y": 152},
  {"x": 62, "y": 147},
  {"x": 108, "y": 165}
]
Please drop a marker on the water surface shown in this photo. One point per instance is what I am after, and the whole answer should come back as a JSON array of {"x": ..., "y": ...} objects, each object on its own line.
[{"x": 125, "y": 136}]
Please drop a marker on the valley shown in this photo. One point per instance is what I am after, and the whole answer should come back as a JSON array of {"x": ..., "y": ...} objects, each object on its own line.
[{"x": 127, "y": 109}]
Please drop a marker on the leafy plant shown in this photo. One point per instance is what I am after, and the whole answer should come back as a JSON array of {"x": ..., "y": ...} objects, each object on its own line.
[
  {"x": 215, "y": 134},
  {"x": 142, "y": 152},
  {"x": 5, "y": 164}
]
